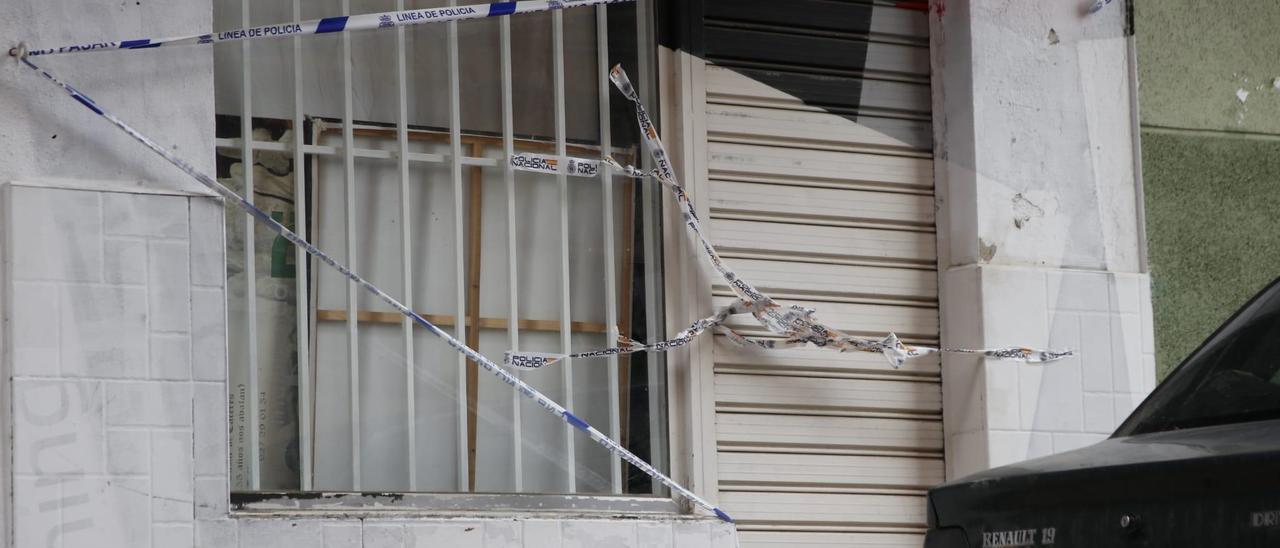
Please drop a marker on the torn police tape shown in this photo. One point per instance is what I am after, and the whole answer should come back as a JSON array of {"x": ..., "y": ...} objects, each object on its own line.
[
  {"x": 366, "y": 21},
  {"x": 510, "y": 379},
  {"x": 797, "y": 325},
  {"x": 534, "y": 360}
]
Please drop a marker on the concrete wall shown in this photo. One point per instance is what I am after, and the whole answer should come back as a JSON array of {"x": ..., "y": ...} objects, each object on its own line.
[
  {"x": 114, "y": 370},
  {"x": 43, "y": 136},
  {"x": 60, "y": 262},
  {"x": 1039, "y": 237},
  {"x": 1210, "y": 137}
]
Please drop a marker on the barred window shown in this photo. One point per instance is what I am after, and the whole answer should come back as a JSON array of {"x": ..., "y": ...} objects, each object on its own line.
[{"x": 388, "y": 149}]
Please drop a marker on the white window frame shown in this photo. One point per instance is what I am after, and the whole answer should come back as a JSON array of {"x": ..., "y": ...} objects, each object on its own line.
[{"x": 687, "y": 277}]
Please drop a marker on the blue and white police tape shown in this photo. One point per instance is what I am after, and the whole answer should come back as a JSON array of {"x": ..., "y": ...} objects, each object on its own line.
[
  {"x": 552, "y": 164},
  {"x": 364, "y": 21},
  {"x": 511, "y": 380},
  {"x": 797, "y": 325}
]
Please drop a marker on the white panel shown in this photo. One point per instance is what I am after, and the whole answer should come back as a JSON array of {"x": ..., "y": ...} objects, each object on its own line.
[
  {"x": 897, "y": 60},
  {"x": 915, "y": 132},
  {"x": 821, "y": 205},
  {"x": 788, "y": 539},
  {"x": 738, "y": 162},
  {"x": 842, "y": 282},
  {"x": 900, "y": 22},
  {"x": 834, "y": 510},
  {"x": 820, "y": 434},
  {"x": 888, "y": 94},
  {"x": 779, "y": 471},
  {"x": 725, "y": 85},
  {"x": 796, "y": 129},
  {"x": 833, "y": 211},
  {"x": 824, "y": 242},
  {"x": 816, "y": 395}
]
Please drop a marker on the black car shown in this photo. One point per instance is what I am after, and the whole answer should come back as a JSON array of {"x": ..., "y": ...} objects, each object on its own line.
[{"x": 1197, "y": 464}]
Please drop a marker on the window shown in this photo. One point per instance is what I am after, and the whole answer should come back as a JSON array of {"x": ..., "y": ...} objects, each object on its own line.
[{"x": 406, "y": 180}]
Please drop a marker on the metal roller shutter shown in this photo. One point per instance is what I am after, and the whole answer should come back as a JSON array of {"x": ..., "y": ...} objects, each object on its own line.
[{"x": 820, "y": 184}]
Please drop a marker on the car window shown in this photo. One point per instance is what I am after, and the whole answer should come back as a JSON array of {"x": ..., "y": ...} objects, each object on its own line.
[{"x": 1232, "y": 377}]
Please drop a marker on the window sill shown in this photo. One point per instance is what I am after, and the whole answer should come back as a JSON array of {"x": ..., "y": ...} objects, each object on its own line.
[{"x": 450, "y": 505}]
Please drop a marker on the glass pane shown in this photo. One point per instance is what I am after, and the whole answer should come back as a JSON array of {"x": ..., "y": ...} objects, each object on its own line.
[{"x": 584, "y": 253}]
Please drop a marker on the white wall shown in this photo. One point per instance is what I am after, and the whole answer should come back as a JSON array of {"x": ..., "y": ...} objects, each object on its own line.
[
  {"x": 114, "y": 363},
  {"x": 63, "y": 258},
  {"x": 1039, "y": 230},
  {"x": 44, "y": 135}
]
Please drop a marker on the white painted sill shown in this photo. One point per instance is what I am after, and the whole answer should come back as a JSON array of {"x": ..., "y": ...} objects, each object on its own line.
[{"x": 456, "y": 505}]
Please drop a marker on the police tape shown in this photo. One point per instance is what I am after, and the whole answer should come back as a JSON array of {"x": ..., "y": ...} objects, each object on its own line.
[
  {"x": 546, "y": 403},
  {"x": 555, "y": 165},
  {"x": 535, "y": 360},
  {"x": 571, "y": 166},
  {"x": 365, "y": 21},
  {"x": 797, "y": 325}
]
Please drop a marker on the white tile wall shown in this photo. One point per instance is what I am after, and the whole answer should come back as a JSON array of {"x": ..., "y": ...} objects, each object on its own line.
[
  {"x": 102, "y": 331},
  {"x": 149, "y": 215},
  {"x": 148, "y": 403},
  {"x": 118, "y": 330},
  {"x": 57, "y": 428},
  {"x": 342, "y": 534},
  {"x": 128, "y": 452},
  {"x": 653, "y": 535},
  {"x": 1027, "y": 410},
  {"x": 35, "y": 329},
  {"x": 70, "y": 218},
  {"x": 169, "y": 284},
  {"x": 586, "y": 534},
  {"x": 461, "y": 533},
  {"x": 124, "y": 261}
]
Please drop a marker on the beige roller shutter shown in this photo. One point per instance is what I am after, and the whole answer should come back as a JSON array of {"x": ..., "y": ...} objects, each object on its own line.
[{"x": 820, "y": 191}]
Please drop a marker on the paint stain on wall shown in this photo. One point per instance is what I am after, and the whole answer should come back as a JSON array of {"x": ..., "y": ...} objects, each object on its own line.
[
  {"x": 986, "y": 251},
  {"x": 1024, "y": 210}
]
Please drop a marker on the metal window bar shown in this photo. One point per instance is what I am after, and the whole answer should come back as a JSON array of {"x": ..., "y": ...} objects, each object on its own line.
[
  {"x": 455, "y": 160},
  {"x": 251, "y": 275},
  {"x": 406, "y": 272},
  {"x": 562, "y": 181},
  {"x": 301, "y": 260},
  {"x": 513, "y": 284},
  {"x": 610, "y": 275},
  {"x": 349, "y": 176}
]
